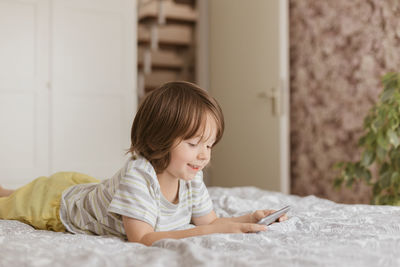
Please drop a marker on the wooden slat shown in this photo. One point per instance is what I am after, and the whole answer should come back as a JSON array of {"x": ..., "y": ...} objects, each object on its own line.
[
  {"x": 174, "y": 34},
  {"x": 158, "y": 77},
  {"x": 172, "y": 11},
  {"x": 163, "y": 58}
]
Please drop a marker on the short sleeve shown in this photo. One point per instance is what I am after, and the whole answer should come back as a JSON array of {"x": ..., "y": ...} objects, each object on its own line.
[
  {"x": 201, "y": 201},
  {"x": 135, "y": 198}
]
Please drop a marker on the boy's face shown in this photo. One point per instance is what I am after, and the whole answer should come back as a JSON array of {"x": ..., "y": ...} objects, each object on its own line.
[{"x": 192, "y": 155}]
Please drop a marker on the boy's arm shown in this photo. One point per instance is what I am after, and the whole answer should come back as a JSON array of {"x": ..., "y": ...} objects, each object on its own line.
[
  {"x": 254, "y": 217},
  {"x": 212, "y": 218},
  {"x": 139, "y": 231}
]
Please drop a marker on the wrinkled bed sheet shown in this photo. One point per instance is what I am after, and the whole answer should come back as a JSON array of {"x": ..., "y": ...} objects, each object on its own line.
[{"x": 318, "y": 233}]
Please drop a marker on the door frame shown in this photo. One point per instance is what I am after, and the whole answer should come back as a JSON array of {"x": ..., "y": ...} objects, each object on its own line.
[{"x": 285, "y": 94}]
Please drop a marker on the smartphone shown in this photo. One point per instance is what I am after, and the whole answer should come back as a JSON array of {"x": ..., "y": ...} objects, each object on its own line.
[{"x": 274, "y": 216}]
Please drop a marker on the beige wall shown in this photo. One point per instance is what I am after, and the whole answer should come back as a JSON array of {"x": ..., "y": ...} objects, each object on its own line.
[{"x": 338, "y": 52}]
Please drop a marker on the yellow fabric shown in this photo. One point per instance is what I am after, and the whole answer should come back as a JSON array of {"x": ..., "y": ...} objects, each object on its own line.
[{"x": 38, "y": 203}]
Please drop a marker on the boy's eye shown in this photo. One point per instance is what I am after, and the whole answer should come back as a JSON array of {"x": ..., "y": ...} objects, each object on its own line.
[{"x": 191, "y": 144}]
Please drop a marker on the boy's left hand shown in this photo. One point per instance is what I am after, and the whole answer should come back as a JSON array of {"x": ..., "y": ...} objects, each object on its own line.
[{"x": 259, "y": 214}]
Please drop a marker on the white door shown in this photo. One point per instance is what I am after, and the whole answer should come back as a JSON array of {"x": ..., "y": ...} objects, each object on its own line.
[
  {"x": 67, "y": 87},
  {"x": 24, "y": 58},
  {"x": 249, "y": 77},
  {"x": 93, "y": 89}
]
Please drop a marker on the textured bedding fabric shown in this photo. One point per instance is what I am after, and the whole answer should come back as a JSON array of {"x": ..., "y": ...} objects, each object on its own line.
[{"x": 318, "y": 233}]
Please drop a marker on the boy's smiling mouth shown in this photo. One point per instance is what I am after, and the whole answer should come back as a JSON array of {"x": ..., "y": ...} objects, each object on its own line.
[{"x": 194, "y": 167}]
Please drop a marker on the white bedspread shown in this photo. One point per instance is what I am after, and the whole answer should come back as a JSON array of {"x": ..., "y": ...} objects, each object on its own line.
[{"x": 318, "y": 233}]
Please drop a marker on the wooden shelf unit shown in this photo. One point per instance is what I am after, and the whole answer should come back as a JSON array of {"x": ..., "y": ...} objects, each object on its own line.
[{"x": 173, "y": 58}]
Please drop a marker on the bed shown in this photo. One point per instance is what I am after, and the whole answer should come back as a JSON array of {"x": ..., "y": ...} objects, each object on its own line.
[{"x": 318, "y": 232}]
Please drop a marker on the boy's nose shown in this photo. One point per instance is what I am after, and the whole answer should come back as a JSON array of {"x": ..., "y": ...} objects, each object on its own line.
[{"x": 203, "y": 154}]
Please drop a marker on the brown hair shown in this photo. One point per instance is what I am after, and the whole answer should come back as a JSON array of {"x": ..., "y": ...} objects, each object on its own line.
[{"x": 174, "y": 111}]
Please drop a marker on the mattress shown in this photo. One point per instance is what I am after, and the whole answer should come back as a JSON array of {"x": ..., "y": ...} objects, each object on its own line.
[{"x": 318, "y": 232}]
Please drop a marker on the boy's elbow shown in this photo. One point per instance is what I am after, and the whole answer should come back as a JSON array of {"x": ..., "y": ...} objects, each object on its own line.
[{"x": 146, "y": 240}]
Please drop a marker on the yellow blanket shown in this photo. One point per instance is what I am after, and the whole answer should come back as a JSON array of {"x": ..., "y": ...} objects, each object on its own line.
[{"x": 38, "y": 203}]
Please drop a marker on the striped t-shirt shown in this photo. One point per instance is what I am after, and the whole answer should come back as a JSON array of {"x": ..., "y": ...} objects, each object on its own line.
[{"x": 134, "y": 192}]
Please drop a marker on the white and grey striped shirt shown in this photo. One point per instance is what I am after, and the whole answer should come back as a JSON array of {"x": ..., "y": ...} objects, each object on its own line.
[{"x": 134, "y": 192}]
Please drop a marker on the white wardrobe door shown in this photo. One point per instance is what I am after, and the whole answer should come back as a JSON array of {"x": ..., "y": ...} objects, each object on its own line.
[
  {"x": 24, "y": 39},
  {"x": 93, "y": 91}
]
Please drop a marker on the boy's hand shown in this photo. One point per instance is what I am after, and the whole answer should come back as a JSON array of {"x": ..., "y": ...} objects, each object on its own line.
[
  {"x": 259, "y": 214},
  {"x": 250, "y": 218}
]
